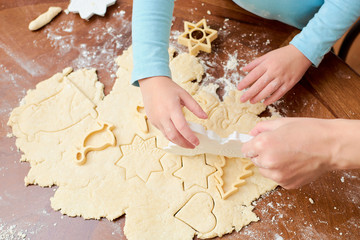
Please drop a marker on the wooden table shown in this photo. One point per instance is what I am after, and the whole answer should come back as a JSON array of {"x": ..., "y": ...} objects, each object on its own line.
[{"x": 326, "y": 209}]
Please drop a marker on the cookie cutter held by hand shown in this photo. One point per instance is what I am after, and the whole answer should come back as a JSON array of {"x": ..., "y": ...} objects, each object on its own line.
[{"x": 211, "y": 143}]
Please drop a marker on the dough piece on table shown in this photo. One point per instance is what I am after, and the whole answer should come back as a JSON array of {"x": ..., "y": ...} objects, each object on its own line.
[
  {"x": 164, "y": 196},
  {"x": 44, "y": 18},
  {"x": 184, "y": 69}
]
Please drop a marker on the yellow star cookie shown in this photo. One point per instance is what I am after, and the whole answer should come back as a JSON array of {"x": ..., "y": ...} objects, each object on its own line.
[{"x": 197, "y": 37}]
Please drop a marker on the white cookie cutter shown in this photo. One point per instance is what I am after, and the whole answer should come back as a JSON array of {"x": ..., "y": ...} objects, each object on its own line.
[
  {"x": 87, "y": 8},
  {"x": 212, "y": 143}
]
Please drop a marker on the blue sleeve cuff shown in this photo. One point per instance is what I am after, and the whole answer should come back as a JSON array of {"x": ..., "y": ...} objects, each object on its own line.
[
  {"x": 150, "y": 70},
  {"x": 309, "y": 52},
  {"x": 151, "y": 23},
  {"x": 325, "y": 28}
]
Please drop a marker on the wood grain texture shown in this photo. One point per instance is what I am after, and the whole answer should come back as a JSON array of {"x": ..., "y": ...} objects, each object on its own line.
[{"x": 26, "y": 58}]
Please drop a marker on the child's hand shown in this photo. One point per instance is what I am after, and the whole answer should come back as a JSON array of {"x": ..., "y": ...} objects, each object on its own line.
[
  {"x": 272, "y": 75},
  {"x": 163, "y": 101}
]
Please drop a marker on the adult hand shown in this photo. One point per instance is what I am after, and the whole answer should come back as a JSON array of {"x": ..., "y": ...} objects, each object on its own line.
[
  {"x": 295, "y": 151},
  {"x": 273, "y": 74},
  {"x": 163, "y": 101}
]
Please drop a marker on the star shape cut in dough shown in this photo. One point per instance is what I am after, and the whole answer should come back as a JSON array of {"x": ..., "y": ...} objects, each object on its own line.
[
  {"x": 141, "y": 158},
  {"x": 194, "y": 171},
  {"x": 197, "y": 37},
  {"x": 87, "y": 8}
]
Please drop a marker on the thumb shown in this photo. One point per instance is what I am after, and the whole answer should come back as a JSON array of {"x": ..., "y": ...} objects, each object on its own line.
[
  {"x": 190, "y": 103},
  {"x": 245, "y": 149}
]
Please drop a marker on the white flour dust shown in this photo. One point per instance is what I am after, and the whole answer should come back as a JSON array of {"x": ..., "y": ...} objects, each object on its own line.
[
  {"x": 29, "y": 66},
  {"x": 108, "y": 40},
  {"x": 11, "y": 232},
  {"x": 9, "y": 79}
]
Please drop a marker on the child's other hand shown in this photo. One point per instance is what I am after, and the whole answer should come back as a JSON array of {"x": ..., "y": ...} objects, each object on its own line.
[
  {"x": 272, "y": 75},
  {"x": 163, "y": 101}
]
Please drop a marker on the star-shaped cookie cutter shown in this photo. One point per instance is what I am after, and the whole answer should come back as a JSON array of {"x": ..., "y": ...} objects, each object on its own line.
[{"x": 197, "y": 37}]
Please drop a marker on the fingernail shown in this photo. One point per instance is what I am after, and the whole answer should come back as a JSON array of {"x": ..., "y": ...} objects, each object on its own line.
[{"x": 192, "y": 147}]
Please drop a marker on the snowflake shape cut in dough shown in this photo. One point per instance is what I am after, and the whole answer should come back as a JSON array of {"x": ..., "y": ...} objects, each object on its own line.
[
  {"x": 194, "y": 171},
  {"x": 141, "y": 158},
  {"x": 87, "y": 8}
]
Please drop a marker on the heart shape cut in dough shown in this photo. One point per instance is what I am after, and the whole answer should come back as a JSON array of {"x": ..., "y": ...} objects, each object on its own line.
[{"x": 197, "y": 213}]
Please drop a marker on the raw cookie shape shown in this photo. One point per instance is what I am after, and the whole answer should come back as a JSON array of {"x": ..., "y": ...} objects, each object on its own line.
[
  {"x": 225, "y": 167},
  {"x": 87, "y": 144},
  {"x": 87, "y": 8},
  {"x": 44, "y": 18},
  {"x": 142, "y": 119},
  {"x": 197, "y": 37},
  {"x": 197, "y": 213},
  {"x": 141, "y": 158},
  {"x": 194, "y": 171},
  {"x": 61, "y": 109}
]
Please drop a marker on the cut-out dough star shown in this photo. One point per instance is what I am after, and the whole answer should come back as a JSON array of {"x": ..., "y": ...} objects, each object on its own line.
[
  {"x": 197, "y": 37},
  {"x": 141, "y": 158},
  {"x": 194, "y": 171},
  {"x": 87, "y": 8}
]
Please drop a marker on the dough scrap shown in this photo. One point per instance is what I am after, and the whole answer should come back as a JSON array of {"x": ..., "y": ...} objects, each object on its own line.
[
  {"x": 135, "y": 176},
  {"x": 44, "y": 18}
]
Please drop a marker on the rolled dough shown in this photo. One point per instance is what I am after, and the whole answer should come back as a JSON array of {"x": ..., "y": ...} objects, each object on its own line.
[
  {"x": 44, "y": 18},
  {"x": 164, "y": 196}
]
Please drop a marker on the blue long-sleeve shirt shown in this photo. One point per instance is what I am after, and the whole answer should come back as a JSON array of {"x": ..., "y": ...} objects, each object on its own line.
[{"x": 322, "y": 23}]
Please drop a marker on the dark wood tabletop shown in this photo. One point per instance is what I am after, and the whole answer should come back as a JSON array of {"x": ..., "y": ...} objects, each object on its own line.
[{"x": 326, "y": 209}]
